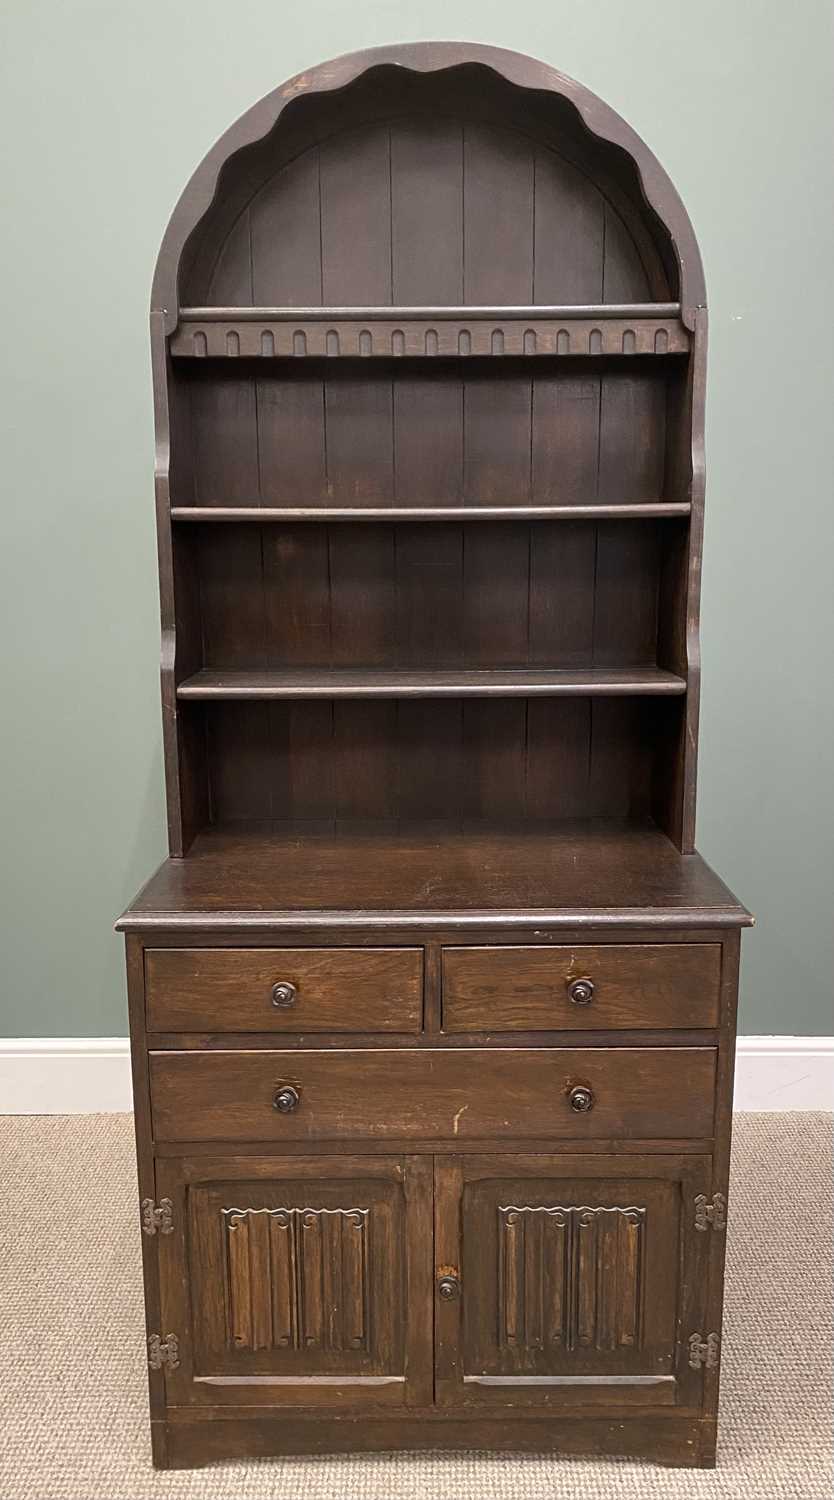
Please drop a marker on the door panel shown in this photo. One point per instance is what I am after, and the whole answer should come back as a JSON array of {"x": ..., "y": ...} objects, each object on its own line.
[
  {"x": 579, "y": 1280},
  {"x": 303, "y": 1282}
]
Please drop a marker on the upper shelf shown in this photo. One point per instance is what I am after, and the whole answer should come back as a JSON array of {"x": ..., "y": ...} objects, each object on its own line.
[
  {"x": 264, "y": 513},
  {"x": 370, "y": 682},
  {"x": 644, "y": 328}
]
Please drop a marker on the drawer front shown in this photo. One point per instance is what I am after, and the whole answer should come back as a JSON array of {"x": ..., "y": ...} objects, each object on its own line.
[
  {"x": 584, "y": 988},
  {"x": 487, "y": 1094},
  {"x": 284, "y": 989}
]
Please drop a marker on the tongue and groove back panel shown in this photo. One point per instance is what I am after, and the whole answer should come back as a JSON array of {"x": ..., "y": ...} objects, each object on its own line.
[
  {"x": 427, "y": 212},
  {"x": 571, "y": 594},
  {"x": 471, "y": 596},
  {"x": 590, "y": 434},
  {"x": 483, "y": 760},
  {"x": 428, "y": 191}
]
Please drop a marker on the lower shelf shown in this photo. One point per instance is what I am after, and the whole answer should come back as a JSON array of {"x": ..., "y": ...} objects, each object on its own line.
[{"x": 349, "y": 682}]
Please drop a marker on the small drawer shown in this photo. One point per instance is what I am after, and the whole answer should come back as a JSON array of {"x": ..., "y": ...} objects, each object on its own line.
[
  {"x": 454, "y": 1094},
  {"x": 585, "y": 988},
  {"x": 284, "y": 989}
]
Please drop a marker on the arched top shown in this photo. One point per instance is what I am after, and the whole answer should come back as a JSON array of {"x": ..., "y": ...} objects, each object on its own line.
[{"x": 587, "y": 142}]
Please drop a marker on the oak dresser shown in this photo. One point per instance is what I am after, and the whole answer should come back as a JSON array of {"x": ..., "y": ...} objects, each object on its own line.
[{"x": 433, "y": 1003}]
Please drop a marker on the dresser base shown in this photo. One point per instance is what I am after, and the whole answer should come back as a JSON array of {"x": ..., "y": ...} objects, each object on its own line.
[
  {"x": 548, "y": 1272},
  {"x": 679, "y": 1442}
]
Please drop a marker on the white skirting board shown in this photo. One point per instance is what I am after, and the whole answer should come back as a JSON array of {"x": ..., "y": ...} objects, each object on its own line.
[{"x": 91, "y": 1075}]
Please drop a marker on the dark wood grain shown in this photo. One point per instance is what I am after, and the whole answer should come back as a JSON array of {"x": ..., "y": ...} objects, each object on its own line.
[
  {"x": 365, "y": 683},
  {"x": 433, "y": 596},
  {"x": 430, "y": 513},
  {"x": 645, "y": 332},
  {"x": 585, "y": 876},
  {"x": 529, "y": 989},
  {"x": 375, "y": 757},
  {"x": 302, "y": 1282},
  {"x": 568, "y": 1279},
  {"x": 333, "y": 989},
  {"x": 677, "y": 1441},
  {"x": 517, "y": 87},
  {"x": 145, "y": 1164},
  {"x": 509, "y": 433},
  {"x": 487, "y": 1094}
]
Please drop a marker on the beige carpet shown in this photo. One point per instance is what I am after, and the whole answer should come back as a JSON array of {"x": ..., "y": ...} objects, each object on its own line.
[{"x": 72, "y": 1405}]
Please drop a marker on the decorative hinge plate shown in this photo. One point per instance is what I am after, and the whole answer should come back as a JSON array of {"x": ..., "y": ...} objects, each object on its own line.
[
  {"x": 703, "y": 1351},
  {"x": 163, "y": 1351},
  {"x": 712, "y": 1212},
  {"x": 157, "y": 1216}
]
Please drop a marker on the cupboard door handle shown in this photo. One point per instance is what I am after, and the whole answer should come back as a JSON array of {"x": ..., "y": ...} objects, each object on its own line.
[
  {"x": 581, "y": 991},
  {"x": 448, "y": 1287},
  {"x": 284, "y": 994},
  {"x": 581, "y": 1100},
  {"x": 286, "y": 1099}
]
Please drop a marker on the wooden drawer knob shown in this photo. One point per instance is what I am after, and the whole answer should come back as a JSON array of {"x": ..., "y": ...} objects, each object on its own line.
[
  {"x": 581, "y": 1099},
  {"x": 286, "y": 1099},
  {"x": 284, "y": 994},
  {"x": 581, "y": 991}
]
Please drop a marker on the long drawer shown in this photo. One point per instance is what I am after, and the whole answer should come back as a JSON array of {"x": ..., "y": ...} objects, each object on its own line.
[
  {"x": 284, "y": 989},
  {"x": 488, "y": 1094},
  {"x": 581, "y": 988}
]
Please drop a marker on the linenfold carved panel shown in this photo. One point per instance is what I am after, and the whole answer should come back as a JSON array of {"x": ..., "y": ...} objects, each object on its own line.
[
  {"x": 297, "y": 1278},
  {"x": 570, "y": 1277}
]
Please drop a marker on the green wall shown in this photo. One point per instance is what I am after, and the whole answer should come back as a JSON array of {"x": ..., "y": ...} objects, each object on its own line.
[{"x": 108, "y": 108}]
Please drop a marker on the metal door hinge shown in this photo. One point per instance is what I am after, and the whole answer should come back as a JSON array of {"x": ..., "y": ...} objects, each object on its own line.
[
  {"x": 157, "y": 1216},
  {"x": 714, "y": 1212},
  {"x": 163, "y": 1351},
  {"x": 703, "y": 1351}
]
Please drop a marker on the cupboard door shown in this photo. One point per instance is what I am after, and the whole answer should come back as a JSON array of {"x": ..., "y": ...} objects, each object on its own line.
[
  {"x": 302, "y": 1282},
  {"x": 566, "y": 1281}
]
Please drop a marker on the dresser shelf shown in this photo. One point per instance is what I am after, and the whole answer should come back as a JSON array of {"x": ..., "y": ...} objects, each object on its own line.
[
  {"x": 429, "y": 332},
  {"x": 287, "y": 515},
  {"x": 495, "y": 682}
]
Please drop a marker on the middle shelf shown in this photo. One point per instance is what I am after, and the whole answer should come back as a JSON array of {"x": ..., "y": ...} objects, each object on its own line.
[
  {"x": 371, "y": 682},
  {"x": 267, "y": 515},
  {"x": 503, "y": 609}
]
